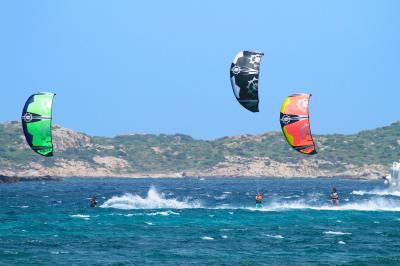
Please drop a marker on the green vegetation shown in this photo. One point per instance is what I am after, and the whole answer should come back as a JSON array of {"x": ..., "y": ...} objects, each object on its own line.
[{"x": 172, "y": 153}]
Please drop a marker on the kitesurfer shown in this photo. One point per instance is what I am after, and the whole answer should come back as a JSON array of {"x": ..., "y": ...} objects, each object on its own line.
[
  {"x": 93, "y": 202},
  {"x": 259, "y": 199},
  {"x": 335, "y": 197}
]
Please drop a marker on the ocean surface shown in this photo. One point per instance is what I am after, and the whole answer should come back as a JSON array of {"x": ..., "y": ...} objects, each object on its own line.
[{"x": 199, "y": 222}]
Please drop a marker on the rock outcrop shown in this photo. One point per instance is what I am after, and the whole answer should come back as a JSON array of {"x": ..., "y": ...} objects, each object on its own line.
[{"x": 367, "y": 155}]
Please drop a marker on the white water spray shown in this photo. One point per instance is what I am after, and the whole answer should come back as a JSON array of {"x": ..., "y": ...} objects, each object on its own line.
[
  {"x": 154, "y": 200},
  {"x": 392, "y": 181}
]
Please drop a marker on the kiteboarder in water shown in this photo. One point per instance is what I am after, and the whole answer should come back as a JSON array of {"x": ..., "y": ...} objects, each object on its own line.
[
  {"x": 93, "y": 202},
  {"x": 334, "y": 197},
  {"x": 259, "y": 199}
]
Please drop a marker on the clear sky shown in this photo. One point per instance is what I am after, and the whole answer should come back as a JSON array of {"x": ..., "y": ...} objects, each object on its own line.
[{"x": 163, "y": 66}]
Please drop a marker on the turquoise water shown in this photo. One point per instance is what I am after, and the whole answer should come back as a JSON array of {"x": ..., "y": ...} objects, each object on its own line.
[{"x": 192, "y": 221}]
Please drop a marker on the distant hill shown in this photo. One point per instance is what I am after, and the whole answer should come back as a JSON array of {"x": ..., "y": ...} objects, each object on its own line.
[{"x": 366, "y": 154}]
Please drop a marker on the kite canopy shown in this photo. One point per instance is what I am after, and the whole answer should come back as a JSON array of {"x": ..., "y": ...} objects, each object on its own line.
[
  {"x": 244, "y": 73},
  {"x": 36, "y": 122},
  {"x": 295, "y": 123}
]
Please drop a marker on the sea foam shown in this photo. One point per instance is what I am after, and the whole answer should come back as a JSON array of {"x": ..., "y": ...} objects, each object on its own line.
[{"x": 376, "y": 204}]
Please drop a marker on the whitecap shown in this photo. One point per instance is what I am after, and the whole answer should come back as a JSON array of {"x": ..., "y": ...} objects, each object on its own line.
[
  {"x": 163, "y": 213},
  {"x": 274, "y": 236},
  {"x": 382, "y": 192},
  {"x": 342, "y": 243},
  {"x": 292, "y": 196},
  {"x": 207, "y": 238},
  {"x": 224, "y": 236},
  {"x": 358, "y": 192},
  {"x": 81, "y": 216},
  {"x": 148, "y": 223},
  {"x": 336, "y": 233}
]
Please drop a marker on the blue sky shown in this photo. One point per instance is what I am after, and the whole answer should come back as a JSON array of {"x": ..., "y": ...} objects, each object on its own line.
[{"x": 163, "y": 66}]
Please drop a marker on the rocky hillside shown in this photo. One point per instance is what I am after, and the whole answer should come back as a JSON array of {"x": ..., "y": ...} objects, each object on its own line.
[{"x": 367, "y": 154}]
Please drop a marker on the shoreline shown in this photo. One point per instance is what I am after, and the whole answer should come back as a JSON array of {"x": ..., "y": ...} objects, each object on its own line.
[
  {"x": 4, "y": 179},
  {"x": 223, "y": 177},
  {"x": 15, "y": 179}
]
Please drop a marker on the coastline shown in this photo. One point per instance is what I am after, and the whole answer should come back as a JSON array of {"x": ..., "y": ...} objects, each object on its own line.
[
  {"x": 4, "y": 179},
  {"x": 15, "y": 179},
  {"x": 177, "y": 156},
  {"x": 237, "y": 168}
]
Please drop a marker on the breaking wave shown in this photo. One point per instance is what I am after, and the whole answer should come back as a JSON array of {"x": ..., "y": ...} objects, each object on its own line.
[
  {"x": 384, "y": 192},
  {"x": 153, "y": 200}
]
